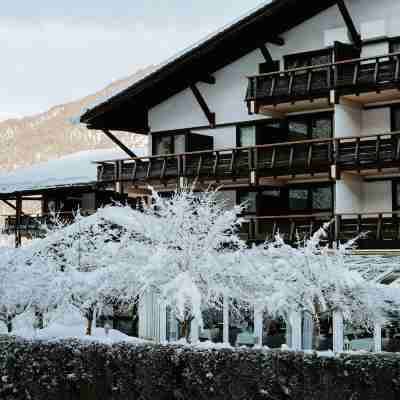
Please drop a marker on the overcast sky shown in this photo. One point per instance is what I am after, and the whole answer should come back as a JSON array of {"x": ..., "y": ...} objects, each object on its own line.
[{"x": 53, "y": 51}]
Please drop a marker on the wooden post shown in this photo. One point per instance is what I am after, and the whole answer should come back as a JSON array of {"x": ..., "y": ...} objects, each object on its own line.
[
  {"x": 377, "y": 338},
  {"x": 338, "y": 331},
  {"x": 225, "y": 326},
  {"x": 308, "y": 329},
  {"x": 258, "y": 324},
  {"x": 295, "y": 321},
  {"x": 194, "y": 331},
  {"x": 18, "y": 213}
]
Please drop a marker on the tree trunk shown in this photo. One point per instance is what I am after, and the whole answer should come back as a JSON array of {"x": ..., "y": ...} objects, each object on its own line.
[
  {"x": 39, "y": 319},
  {"x": 9, "y": 325},
  {"x": 184, "y": 328},
  {"x": 89, "y": 321}
]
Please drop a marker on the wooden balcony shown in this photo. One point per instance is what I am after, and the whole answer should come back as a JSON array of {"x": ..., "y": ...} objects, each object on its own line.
[
  {"x": 380, "y": 230},
  {"x": 362, "y": 155},
  {"x": 35, "y": 225},
  {"x": 364, "y": 80}
]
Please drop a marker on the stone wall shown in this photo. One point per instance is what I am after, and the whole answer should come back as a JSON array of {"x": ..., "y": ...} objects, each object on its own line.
[{"x": 72, "y": 370}]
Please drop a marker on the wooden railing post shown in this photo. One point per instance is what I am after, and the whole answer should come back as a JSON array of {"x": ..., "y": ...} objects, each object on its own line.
[
  {"x": 376, "y": 72},
  {"x": 134, "y": 171},
  {"x": 338, "y": 222},
  {"x": 397, "y": 69},
  {"x": 216, "y": 162},
  {"x": 116, "y": 171},
  {"x": 252, "y": 229},
  {"x": 379, "y": 227}
]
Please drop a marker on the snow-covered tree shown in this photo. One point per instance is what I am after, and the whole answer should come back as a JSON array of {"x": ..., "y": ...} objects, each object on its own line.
[
  {"x": 313, "y": 277},
  {"x": 179, "y": 248}
]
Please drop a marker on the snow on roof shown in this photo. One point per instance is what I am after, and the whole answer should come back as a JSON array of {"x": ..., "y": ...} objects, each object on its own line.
[
  {"x": 129, "y": 83},
  {"x": 73, "y": 169}
]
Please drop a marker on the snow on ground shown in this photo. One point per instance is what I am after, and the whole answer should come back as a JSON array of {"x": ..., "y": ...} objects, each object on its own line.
[
  {"x": 76, "y": 168},
  {"x": 69, "y": 326}
]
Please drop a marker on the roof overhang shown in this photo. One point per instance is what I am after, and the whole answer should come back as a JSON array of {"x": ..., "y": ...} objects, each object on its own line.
[{"x": 127, "y": 111}]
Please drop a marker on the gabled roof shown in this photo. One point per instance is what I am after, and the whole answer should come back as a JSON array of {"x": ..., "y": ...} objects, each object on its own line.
[{"x": 127, "y": 110}]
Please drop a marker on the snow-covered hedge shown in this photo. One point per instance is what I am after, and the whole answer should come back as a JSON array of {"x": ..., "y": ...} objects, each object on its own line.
[{"x": 97, "y": 371}]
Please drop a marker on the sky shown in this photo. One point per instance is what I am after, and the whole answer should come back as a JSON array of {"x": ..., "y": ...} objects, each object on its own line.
[{"x": 54, "y": 51}]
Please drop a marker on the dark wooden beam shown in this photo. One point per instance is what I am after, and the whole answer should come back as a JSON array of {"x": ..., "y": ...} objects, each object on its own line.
[
  {"x": 266, "y": 54},
  {"x": 203, "y": 105},
  {"x": 18, "y": 213},
  {"x": 355, "y": 36},
  {"x": 119, "y": 144},
  {"x": 276, "y": 40},
  {"x": 208, "y": 79},
  {"x": 11, "y": 205}
]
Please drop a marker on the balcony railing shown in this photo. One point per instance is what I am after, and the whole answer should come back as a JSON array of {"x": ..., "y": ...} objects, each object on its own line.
[
  {"x": 376, "y": 228},
  {"x": 282, "y": 159},
  {"x": 355, "y": 76},
  {"x": 34, "y": 225}
]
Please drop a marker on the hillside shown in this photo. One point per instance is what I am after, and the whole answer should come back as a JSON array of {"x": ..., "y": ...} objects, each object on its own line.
[{"x": 52, "y": 134}]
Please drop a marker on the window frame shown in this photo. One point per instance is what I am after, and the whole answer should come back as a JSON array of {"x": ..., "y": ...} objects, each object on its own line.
[
  {"x": 309, "y": 118},
  {"x": 308, "y": 55}
]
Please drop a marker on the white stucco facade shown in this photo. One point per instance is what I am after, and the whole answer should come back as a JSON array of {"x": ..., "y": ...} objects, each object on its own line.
[{"x": 225, "y": 98}]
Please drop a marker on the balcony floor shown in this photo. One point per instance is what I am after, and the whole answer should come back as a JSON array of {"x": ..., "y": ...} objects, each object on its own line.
[
  {"x": 298, "y": 106},
  {"x": 384, "y": 96}
]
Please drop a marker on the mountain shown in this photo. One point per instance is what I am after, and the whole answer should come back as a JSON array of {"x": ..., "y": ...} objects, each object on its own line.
[{"x": 52, "y": 134}]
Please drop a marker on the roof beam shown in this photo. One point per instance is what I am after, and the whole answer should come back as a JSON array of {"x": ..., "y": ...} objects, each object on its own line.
[
  {"x": 266, "y": 54},
  {"x": 10, "y": 205},
  {"x": 203, "y": 105},
  {"x": 119, "y": 143},
  {"x": 208, "y": 79},
  {"x": 276, "y": 40},
  {"x": 355, "y": 36}
]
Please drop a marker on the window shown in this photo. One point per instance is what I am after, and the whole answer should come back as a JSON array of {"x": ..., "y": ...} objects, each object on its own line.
[
  {"x": 308, "y": 59},
  {"x": 262, "y": 132},
  {"x": 395, "y": 115},
  {"x": 298, "y": 199},
  {"x": 321, "y": 128},
  {"x": 265, "y": 68},
  {"x": 396, "y": 195},
  {"x": 322, "y": 198},
  {"x": 298, "y": 130},
  {"x": 247, "y": 136},
  {"x": 250, "y": 198},
  {"x": 314, "y": 126},
  {"x": 394, "y": 45},
  {"x": 318, "y": 197},
  {"x": 163, "y": 145}
]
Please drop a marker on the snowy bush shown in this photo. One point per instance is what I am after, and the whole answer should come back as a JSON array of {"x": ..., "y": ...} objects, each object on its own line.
[{"x": 93, "y": 371}]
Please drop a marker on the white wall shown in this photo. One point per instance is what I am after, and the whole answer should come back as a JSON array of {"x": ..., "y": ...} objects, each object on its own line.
[
  {"x": 347, "y": 119},
  {"x": 353, "y": 195},
  {"x": 226, "y": 98},
  {"x": 377, "y": 196},
  {"x": 348, "y": 195},
  {"x": 375, "y": 121}
]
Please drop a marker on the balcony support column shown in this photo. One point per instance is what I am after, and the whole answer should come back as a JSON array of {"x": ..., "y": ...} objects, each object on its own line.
[
  {"x": 338, "y": 331},
  {"x": 225, "y": 324},
  {"x": 377, "y": 338}
]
